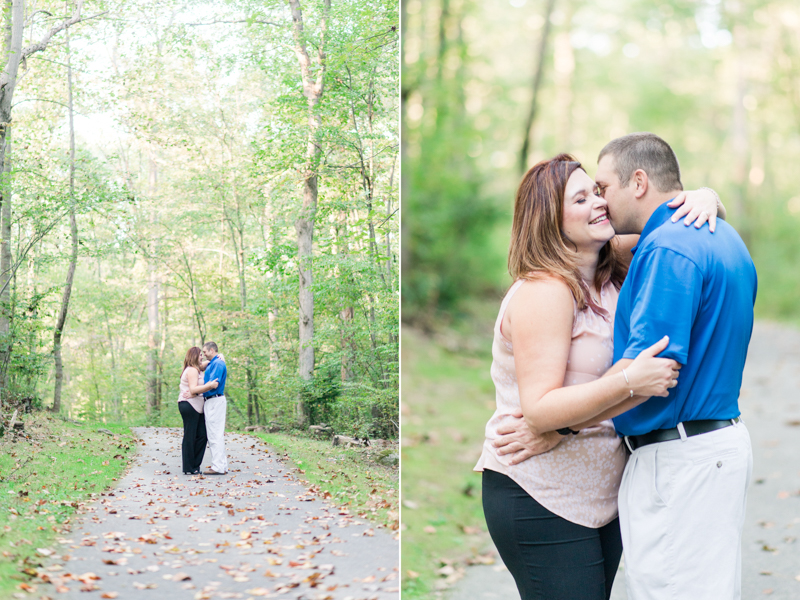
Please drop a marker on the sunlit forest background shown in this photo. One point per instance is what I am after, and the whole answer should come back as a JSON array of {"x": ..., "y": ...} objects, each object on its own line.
[
  {"x": 173, "y": 170},
  {"x": 491, "y": 87},
  {"x": 718, "y": 79}
]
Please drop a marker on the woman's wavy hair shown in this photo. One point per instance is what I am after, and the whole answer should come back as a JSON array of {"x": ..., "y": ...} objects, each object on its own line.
[
  {"x": 538, "y": 244},
  {"x": 192, "y": 358}
]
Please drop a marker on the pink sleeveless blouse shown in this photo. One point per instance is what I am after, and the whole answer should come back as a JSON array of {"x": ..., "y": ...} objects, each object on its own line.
[
  {"x": 197, "y": 401},
  {"x": 578, "y": 479}
]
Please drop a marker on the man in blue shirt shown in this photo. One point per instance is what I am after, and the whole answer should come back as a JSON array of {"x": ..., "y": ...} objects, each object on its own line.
[
  {"x": 215, "y": 409},
  {"x": 682, "y": 497}
]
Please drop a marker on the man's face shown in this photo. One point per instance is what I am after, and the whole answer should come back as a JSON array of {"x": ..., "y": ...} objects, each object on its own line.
[
  {"x": 205, "y": 355},
  {"x": 621, "y": 200}
]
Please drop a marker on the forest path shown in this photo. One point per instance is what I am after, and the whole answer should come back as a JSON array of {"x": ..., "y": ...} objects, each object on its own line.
[
  {"x": 770, "y": 405},
  {"x": 255, "y": 532}
]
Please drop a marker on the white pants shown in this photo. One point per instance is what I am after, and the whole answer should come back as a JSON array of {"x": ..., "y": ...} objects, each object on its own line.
[
  {"x": 215, "y": 410},
  {"x": 681, "y": 511}
]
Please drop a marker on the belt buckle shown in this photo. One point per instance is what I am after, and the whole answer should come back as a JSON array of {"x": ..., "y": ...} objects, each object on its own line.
[{"x": 628, "y": 443}]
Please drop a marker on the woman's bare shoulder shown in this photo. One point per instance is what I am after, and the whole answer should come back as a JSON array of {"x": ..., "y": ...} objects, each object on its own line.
[
  {"x": 543, "y": 298},
  {"x": 545, "y": 287}
]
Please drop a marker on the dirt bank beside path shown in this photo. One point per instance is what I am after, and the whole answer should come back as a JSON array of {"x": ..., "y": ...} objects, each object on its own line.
[
  {"x": 770, "y": 405},
  {"x": 255, "y": 532}
]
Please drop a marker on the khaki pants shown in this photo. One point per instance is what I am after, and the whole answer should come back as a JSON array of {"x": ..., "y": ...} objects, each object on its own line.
[
  {"x": 681, "y": 510},
  {"x": 215, "y": 410}
]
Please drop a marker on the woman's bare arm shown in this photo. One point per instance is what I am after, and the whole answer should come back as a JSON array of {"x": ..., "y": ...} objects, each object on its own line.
[
  {"x": 540, "y": 318},
  {"x": 195, "y": 389}
]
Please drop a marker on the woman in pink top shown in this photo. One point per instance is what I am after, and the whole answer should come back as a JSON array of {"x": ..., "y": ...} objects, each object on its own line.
[
  {"x": 190, "y": 405},
  {"x": 553, "y": 516}
]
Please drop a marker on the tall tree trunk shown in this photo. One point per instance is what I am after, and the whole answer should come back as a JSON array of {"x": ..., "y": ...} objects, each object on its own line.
[
  {"x": 741, "y": 143},
  {"x": 537, "y": 83},
  {"x": 267, "y": 234},
  {"x": 346, "y": 313},
  {"x": 13, "y": 18},
  {"x": 154, "y": 333},
  {"x": 73, "y": 262},
  {"x": 304, "y": 225},
  {"x": 564, "y": 67},
  {"x": 238, "y": 253},
  {"x": 33, "y": 311},
  {"x": 406, "y": 88},
  {"x": 389, "y": 214},
  {"x": 114, "y": 387}
]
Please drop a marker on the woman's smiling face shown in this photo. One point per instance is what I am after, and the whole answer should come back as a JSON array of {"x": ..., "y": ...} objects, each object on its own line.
[{"x": 585, "y": 215}]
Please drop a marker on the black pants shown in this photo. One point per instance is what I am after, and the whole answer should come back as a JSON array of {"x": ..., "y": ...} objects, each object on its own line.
[
  {"x": 550, "y": 558},
  {"x": 194, "y": 437}
]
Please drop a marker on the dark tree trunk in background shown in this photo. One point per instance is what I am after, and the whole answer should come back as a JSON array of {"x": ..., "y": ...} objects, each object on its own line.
[
  {"x": 537, "y": 84},
  {"x": 73, "y": 259}
]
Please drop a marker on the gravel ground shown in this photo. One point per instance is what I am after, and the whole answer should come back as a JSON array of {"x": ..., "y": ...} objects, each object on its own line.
[
  {"x": 255, "y": 532},
  {"x": 770, "y": 405}
]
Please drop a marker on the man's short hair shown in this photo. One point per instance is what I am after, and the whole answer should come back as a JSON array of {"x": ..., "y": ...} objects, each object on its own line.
[
  {"x": 648, "y": 152},
  {"x": 211, "y": 346}
]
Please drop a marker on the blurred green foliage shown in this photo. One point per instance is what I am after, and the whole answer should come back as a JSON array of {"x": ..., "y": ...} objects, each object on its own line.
[{"x": 719, "y": 80}]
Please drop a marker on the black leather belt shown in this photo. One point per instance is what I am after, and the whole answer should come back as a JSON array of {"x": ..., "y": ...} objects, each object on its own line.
[
  {"x": 691, "y": 428},
  {"x": 213, "y": 396}
]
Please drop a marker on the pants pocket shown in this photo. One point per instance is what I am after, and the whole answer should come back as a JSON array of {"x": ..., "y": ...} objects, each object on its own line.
[{"x": 714, "y": 456}]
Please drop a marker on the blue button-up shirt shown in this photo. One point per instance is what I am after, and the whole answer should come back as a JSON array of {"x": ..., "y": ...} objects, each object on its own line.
[
  {"x": 699, "y": 289},
  {"x": 215, "y": 369}
]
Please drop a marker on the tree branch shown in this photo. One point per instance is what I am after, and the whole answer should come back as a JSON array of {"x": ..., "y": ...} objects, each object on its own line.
[
  {"x": 42, "y": 43},
  {"x": 236, "y": 21}
]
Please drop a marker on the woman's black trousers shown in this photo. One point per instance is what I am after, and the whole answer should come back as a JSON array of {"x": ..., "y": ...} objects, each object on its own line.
[
  {"x": 194, "y": 437},
  {"x": 550, "y": 558}
]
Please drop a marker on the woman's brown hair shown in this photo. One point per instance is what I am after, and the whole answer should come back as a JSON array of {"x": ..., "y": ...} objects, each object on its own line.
[
  {"x": 538, "y": 244},
  {"x": 192, "y": 358}
]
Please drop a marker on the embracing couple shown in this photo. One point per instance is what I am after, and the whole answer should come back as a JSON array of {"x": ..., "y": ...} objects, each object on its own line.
[
  {"x": 203, "y": 407},
  {"x": 617, "y": 312}
]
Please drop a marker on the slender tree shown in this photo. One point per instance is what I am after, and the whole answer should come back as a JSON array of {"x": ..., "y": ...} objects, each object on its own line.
[
  {"x": 313, "y": 88},
  {"x": 73, "y": 259}
]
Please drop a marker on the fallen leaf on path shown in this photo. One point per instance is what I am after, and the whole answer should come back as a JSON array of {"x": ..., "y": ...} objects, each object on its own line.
[{"x": 109, "y": 594}]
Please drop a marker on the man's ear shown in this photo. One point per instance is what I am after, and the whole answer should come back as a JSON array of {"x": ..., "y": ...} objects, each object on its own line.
[{"x": 641, "y": 183}]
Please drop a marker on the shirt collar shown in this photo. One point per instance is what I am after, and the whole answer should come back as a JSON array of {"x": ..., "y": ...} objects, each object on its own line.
[
  {"x": 659, "y": 217},
  {"x": 216, "y": 356}
]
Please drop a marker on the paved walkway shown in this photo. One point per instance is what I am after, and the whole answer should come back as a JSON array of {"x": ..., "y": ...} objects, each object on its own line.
[
  {"x": 255, "y": 532},
  {"x": 770, "y": 404}
]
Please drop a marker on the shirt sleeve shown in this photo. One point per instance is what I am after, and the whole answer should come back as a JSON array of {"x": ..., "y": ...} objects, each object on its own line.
[
  {"x": 666, "y": 291},
  {"x": 209, "y": 375}
]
